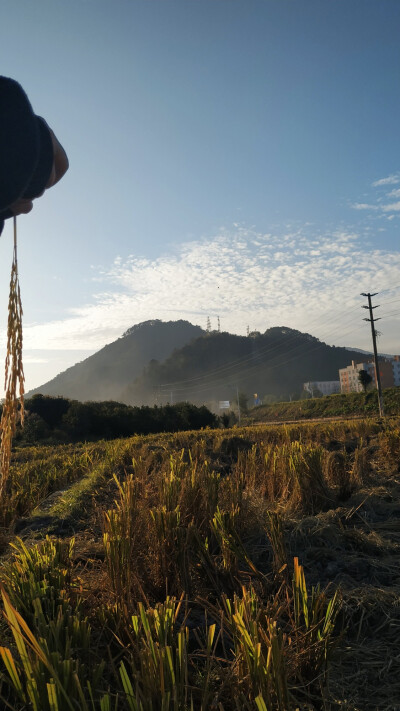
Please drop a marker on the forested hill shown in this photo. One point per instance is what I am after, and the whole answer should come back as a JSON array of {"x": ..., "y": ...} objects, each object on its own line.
[
  {"x": 174, "y": 361},
  {"x": 103, "y": 375},
  {"x": 214, "y": 366}
]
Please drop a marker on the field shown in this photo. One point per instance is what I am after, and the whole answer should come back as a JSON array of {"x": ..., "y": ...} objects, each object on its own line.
[
  {"x": 255, "y": 568},
  {"x": 340, "y": 405}
]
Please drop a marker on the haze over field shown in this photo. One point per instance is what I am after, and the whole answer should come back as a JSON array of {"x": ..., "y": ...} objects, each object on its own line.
[{"x": 227, "y": 159}]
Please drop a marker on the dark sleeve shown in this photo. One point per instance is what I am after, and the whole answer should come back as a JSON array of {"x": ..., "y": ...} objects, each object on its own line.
[
  {"x": 44, "y": 164},
  {"x": 26, "y": 150},
  {"x": 4, "y": 215}
]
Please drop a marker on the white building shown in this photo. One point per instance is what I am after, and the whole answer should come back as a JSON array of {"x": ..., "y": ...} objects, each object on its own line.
[
  {"x": 396, "y": 369},
  {"x": 326, "y": 387},
  {"x": 389, "y": 370}
]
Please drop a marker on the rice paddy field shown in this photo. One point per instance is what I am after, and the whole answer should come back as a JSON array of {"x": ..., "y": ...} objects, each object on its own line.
[{"x": 254, "y": 568}]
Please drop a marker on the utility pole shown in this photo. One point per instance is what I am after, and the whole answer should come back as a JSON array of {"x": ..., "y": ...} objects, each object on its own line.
[
  {"x": 238, "y": 402},
  {"x": 376, "y": 363}
]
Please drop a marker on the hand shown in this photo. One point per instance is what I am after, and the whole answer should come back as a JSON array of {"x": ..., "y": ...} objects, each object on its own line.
[
  {"x": 60, "y": 166},
  {"x": 21, "y": 207}
]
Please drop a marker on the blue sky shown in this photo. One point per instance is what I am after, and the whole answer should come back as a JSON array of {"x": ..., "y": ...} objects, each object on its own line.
[{"x": 227, "y": 157}]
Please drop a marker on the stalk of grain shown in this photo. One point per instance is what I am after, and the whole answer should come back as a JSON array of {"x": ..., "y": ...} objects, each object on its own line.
[{"x": 14, "y": 372}]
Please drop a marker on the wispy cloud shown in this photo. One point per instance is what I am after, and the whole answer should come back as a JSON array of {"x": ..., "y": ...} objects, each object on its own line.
[
  {"x": 383, "y": 203},
  {"x": 34, "y": 360},
  {"x": 392, "y": 207},
  {"x": 364, "y": 206},
  {"x": 303, "y": 279},
  {"x": 390, "y": 180}
]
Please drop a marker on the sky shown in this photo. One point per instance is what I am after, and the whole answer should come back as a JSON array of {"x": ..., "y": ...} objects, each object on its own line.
[{"x": 231, "y": 158}]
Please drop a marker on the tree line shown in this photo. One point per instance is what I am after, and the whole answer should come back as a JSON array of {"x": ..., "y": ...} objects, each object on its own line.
[{"x": 58, "y": 419}]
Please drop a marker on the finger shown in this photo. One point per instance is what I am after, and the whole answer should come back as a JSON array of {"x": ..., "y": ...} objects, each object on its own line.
[{"x": 61, "y": 164}]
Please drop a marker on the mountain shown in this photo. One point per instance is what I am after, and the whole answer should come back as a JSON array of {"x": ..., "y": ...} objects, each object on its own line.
[
  {"x": 218, "y": 365},
  {"x": 174, "y": 361},
  {"x": 369, "y": 353},
  {"x": 103, "y": 375}
]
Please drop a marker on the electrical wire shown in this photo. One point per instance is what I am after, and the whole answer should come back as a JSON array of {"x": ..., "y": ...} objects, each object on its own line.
[
  {"x": 391, "y": 301},
  {"x": 391, "y": 313},
  {"x": 248, "y": 358},
  {"x": 241, "y": 375},
  {"x": 222, "y": 374}
]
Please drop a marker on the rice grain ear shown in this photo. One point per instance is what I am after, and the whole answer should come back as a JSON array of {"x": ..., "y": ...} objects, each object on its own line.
[{"x": 14, "y": 373}]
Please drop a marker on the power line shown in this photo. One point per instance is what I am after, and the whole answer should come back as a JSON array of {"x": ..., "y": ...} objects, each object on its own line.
[
  {"x": 238, "y": 377},
  {"x": 221, "y": 373},
  {"x": 222, "y": 377},
  {"x": 249, "y": 358},
  {"x": 391, "y": 301},
  {"x": 391, "y": 313},
  {"x": 391, "y": 288}
]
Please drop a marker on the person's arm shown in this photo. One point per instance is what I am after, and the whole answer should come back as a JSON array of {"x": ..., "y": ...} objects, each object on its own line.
[
  {"x": 19, "y": 142},
  {"x": 31, "y": 157}
]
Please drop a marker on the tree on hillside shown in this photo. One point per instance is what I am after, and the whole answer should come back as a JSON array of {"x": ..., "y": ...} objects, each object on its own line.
[
  {"x": 50, "y": 409},
  {"x": 243, "y": 401},
  {"x": 269, "y": 399},
  {"x": 364, "y": 379}
]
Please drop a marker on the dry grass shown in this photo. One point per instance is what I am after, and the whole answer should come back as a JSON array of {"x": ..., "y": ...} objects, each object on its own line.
[
  {"x": 14, "y": 374},
  {"x": 202, "y": 529}
]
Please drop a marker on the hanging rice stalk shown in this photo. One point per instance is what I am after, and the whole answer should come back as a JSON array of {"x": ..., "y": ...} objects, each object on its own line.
[{"x": 14, "y": 372}]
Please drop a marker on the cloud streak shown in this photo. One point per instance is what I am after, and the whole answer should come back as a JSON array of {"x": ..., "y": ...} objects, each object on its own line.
[
  {"x": 364, "y": 206},
  {"x": 381, "y": 207},
  {"x": 392, "y": 207},
  {"x": 390, "y": 180}
]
